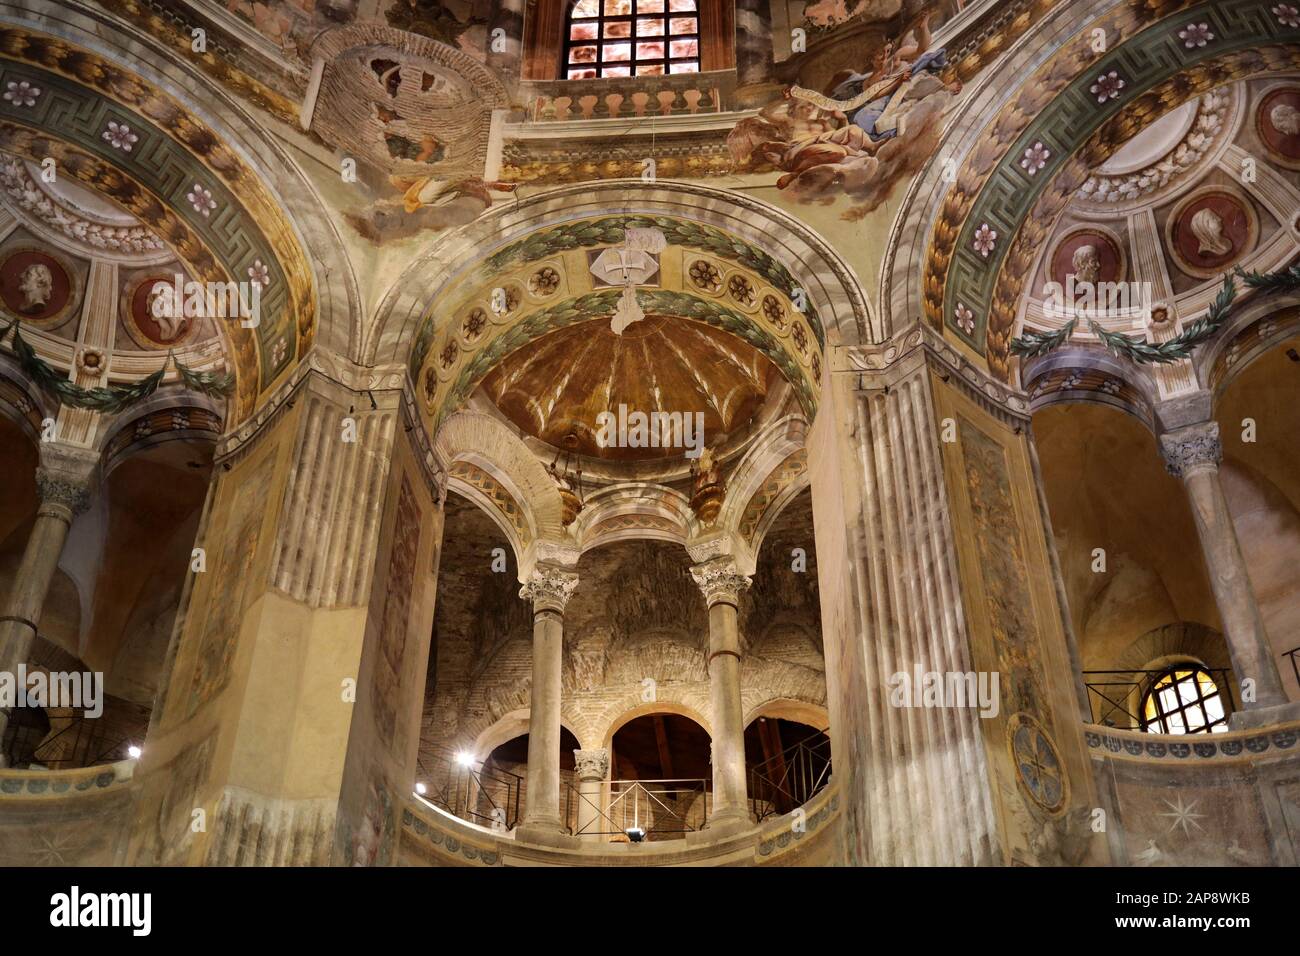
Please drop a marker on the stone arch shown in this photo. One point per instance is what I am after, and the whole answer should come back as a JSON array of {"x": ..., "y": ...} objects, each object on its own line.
[
  {"x": 506, "y": 728},
  {"x": 20, "y": 401},
  {"x": 1073, "y": 374},
  {"x": 630, "y": 511},
  {"x": 831, "y": 287},
  {"x": 168, "y": 415},
  {"x": 681, "y": 709},
  {"x": 789, "y": 708},
  {"x": 1157, "y": 649},
  {"x": 1186, "y": 639},
  {"x": 773, "y": 470},
  {"x": 1041, "y": 97},
  {"x": 1257, "y": 328},
  {"x": 901, "y": 291},
  {"x": 489, "y": 444}
]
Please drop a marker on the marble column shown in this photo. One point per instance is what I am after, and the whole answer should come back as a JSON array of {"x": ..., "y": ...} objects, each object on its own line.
[
  {"x": 63, "y": 481},
  {"x": 549, "y": 589},
  {"x": 591, "y": 768},
  {"x": 1192, "y": 453},
  {"x": 722, "y": 585}
]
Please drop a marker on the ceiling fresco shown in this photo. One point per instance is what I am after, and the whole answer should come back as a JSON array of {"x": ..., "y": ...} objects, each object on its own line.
[
  {"x": 832, "y": 110},
  {"x": 869, "y": 125},
  {"x": 558, "y": 389},
  {"x": 1032, "y": 160},
  {"x": 1169, "y": 208},
  {"x": 717, "y": 323},
  {"x": 162, "y": 165}
]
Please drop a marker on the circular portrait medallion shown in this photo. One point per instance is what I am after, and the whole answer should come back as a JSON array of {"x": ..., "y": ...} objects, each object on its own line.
[
  {"x": 1209, "y": 231},
  {"x": 1277, "y": 121},
  {"x": 153, "y": 316},
  {"x": 37, "y": 288}
]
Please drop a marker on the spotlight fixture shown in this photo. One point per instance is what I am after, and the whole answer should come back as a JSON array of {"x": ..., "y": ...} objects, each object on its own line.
[
  {"x": 465, "y": 758},
  {"x": 421, "y": 789},
  {"x": 133, "y": 752},
  {"x": 635, "y": 834}
]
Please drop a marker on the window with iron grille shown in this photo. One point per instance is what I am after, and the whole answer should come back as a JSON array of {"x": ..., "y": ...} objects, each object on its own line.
[
  {"x": 1183, "y": 700},
  {"x": 631, "y": 38}
]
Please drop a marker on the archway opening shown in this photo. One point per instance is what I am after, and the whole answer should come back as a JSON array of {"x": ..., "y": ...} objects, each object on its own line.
[
  {"x": 661, "y": 778},
  {"x": 787, "y": 763}
]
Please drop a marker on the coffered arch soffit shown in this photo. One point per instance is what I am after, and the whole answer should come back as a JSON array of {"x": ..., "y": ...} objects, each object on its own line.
[
  {"x": 195, "y": 177},
  {"x": 745, "y": 235},
  {"x": 1016, "y": 171}
]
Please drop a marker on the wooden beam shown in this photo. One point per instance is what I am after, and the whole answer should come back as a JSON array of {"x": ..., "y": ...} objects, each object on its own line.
[{"x": 661, "y": 739}]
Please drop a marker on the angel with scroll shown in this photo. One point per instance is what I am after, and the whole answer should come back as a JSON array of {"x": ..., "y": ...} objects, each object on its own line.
[{"x": 819, "y": 140}]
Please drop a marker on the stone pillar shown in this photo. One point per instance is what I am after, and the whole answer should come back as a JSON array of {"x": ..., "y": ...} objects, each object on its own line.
[
  {"x": 933, "y": 563},
  {"x": 549, "y": 589},
  {"x": 722, "y": 584},
  {"x": 1193, "y": 453},
  {"x": 591, "y": 767},
  {"x": 289, "y": 704},
  {"x": 63, "y": 481}
]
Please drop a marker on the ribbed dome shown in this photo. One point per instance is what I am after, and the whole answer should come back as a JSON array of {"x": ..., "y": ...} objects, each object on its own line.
[{"x": 560, "y": 384}]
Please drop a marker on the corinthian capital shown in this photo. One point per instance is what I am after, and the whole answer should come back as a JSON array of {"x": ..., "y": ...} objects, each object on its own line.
[
  {"x": 65, "y": 477},
  {"x": 1192, "y": 449},
  {"x": 591, "y": 764},
  {"x": 549, "y": 588},
  {"x": 720, "y": 580}
]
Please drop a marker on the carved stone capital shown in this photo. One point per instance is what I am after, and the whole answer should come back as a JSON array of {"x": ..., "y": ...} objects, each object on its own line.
[
  {"x": 549, "y": 588},
  {"x": 591, "y": 764},
  {"x": 1191, "y": 449},
  {"x": 720, "y": 581},
  {"x": 65, "y": 477}
]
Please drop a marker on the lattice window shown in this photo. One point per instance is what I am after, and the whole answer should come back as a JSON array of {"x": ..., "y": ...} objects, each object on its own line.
[
  {"x": 631, "y": 38},
  {"x": 1184, "y": 700}
]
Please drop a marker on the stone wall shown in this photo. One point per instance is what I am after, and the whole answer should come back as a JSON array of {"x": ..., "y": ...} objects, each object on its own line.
[
  {"x": 635, "y": 635},
  {"x": 66, "y": 818},
  {"x": 1227, "y": 799}
]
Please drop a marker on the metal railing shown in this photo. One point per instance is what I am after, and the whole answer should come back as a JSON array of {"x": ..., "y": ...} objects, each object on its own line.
[
  {"x": 65, "y": 744},
  {"x": 1116, "y": 696},
  {"x": 790, "y": 778},
  {"x": 477, "y": 792},
  {"x": 639, "y": 810}
]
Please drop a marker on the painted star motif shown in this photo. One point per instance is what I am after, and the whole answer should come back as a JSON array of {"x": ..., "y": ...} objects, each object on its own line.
[
  {"x": 1183, "y": 815},
  {"x": 52, "y": 851}
]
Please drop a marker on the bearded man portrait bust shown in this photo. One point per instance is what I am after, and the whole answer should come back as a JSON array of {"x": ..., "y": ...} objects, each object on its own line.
[{"x": 1087, "y": 264}]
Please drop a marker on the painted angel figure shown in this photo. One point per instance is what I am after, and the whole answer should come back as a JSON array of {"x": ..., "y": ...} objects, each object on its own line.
[{"x": 876, "y": 101}]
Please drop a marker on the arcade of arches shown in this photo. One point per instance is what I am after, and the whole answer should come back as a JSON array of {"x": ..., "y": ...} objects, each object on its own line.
[{"x": 503, "y": 433}]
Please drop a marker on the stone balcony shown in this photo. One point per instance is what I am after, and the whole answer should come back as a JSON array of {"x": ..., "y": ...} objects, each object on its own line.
[
  {"x": 680, "y": 94},
  {"x": 430, "y": 836}
]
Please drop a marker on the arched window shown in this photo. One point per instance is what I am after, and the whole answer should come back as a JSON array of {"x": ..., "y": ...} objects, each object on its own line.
[
  {"x": 631, "y": 38},
  {"x": 1184, "y": 700}
]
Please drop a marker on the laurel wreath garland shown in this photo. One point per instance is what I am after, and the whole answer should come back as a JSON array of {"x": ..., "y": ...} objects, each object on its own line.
[
  {"x": 1040, "y": 343},
  {"x": 110, "y": 399},
  {"x": 1139, "y": 350}
]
